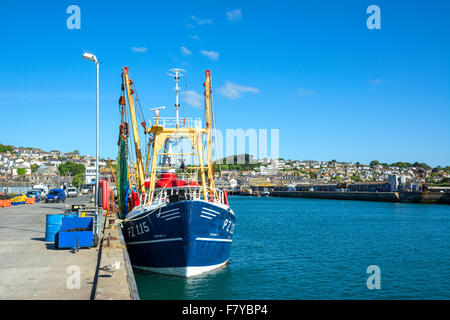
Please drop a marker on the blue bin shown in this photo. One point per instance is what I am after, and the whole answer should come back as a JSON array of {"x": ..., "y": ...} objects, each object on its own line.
[
  {"x": 76, "y": 239},
  {"x": 52, "y": 226}
]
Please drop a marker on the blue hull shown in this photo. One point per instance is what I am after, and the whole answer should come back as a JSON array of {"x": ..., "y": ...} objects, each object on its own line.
[{"x": 183, "y": 238}]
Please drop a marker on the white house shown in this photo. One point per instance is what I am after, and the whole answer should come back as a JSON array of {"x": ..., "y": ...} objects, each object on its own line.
[{"x": 89, "y": 175}]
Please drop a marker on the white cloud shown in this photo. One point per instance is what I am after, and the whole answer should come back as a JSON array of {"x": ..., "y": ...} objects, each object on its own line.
[
  {"x": 139, "y": 49},
  {"x": 201, "y": 22},
  {"x": 194, "y": 37},
  {"x": 193, "y": 98},
  {"x": 185, "y": 51},
  {"x": 306, "y": 92},
  {"x": 210, "y": 54},
  {"x": 376, "y": 81},
  {"x": 234, "y": 15},
  {"x": 233, "y": 91}
]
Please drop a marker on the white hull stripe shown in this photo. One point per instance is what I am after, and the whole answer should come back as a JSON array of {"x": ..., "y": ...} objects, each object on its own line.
[
  {"x": 208, "y": 213},
  {"x": 170, "y": 214},
  {"x": 183, "y": 271},
  {"x": 211, "y": 210},
  {"x": 154, "y": 241},
  {"x": 168, "y": 211},
  {"x": 214, "y": 239},
  {"x": 172, "y": 218},
  {"x": 207, "y": 217}
]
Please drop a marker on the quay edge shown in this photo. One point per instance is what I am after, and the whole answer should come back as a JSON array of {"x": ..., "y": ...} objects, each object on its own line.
[{"x": 113, "y": 248}]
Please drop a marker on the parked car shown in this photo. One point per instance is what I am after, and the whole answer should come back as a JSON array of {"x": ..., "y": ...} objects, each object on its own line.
[
  {"x": 72, "y": 192},
  {"x": 56, "y": 195},
  {"x": 84, "y": 189}
]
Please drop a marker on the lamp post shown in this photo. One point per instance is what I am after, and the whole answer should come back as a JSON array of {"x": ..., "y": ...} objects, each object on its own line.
[{"x": 93, "y": 58}]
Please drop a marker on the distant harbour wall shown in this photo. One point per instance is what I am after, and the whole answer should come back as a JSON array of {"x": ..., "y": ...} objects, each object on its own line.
[
  {"x": 404, "y": 197},
  {"x": 14, "y": 189}
]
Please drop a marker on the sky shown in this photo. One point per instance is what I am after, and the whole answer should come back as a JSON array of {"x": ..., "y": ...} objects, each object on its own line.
[{"x": 334, "y": 88}]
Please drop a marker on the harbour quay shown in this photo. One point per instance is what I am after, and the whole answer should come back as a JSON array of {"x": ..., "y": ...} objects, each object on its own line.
[
  {"x": 31, "y": 268},
  {"x": 403, "y": 197}
]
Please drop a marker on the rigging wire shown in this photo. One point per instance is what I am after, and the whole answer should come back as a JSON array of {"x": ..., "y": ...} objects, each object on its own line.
[
  {"x": 141, "y": 116},
  {"x": 213, "y": 114}
]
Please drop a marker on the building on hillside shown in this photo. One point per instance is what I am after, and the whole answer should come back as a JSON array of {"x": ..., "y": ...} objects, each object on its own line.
[{"x": 90, "y": 175}]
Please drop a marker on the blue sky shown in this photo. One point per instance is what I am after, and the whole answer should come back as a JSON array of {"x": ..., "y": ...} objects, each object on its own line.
[{"x": 312, "y": 69}]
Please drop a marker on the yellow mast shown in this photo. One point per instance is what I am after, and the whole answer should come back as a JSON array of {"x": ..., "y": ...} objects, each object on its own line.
[
  {"x": 140, "y": 168},
  {"x": 112, "y": 171},
  {"x": 208, "y": 129},
  {"x": 160, "y": 134}
]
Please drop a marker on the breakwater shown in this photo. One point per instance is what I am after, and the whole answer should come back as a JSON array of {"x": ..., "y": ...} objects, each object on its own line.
[{"x": 404, "y": 197}]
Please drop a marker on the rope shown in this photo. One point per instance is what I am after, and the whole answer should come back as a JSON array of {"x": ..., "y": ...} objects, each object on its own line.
[
  {"x": 215, "y": 128},
  {"x": 140, "y": 114}
]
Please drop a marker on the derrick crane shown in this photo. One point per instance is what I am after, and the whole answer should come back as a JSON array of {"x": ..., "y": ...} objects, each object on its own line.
[{"x": 140, "y": 167}]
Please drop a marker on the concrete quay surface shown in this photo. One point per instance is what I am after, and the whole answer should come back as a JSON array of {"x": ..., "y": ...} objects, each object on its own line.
[
  {"x": 119, "y": 285},
  {"x": 32, "y": 269}
]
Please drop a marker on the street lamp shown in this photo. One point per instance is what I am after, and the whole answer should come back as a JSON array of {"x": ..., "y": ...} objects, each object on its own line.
[{"x": 93, "y": 58}]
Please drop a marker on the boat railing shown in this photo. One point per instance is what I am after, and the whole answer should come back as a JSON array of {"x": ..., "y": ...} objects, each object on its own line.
[
  {"x": 162, "y": 195},
  {"x": 183, "y": 122}
]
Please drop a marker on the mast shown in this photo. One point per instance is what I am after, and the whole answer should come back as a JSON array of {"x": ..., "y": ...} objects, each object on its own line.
[
  {"x": 209, "y": 159},
  {"x": 140, "y": 167},
  {"x": 177, "y": 73}
]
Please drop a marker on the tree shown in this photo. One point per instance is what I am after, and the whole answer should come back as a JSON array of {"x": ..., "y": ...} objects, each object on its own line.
[
  {"x": 4, "y": 148},
  {"x": 78, "y": 180},
  {"x": 34, "y": 168},
  {"x": 70, "y": 168},
  {"x": 422, "y": 165},
  {"x": 374, "y": 163},
  {"x": 401, "y": 164},
  {"x": 21, "y": 171}
]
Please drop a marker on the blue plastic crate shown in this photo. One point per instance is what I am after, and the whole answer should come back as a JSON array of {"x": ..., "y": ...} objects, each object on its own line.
[{"x": 76, "y": 239}]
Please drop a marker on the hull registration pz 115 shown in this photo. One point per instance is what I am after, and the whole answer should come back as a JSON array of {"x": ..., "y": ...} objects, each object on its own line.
[{"x": 137, "y": 229}]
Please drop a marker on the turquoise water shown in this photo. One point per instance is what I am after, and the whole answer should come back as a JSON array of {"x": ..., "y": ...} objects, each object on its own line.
[{"x": 320, "y": 249}]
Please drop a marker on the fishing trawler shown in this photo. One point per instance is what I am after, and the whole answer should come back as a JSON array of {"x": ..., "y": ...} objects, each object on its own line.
[
  {"x": 175, "y": 220},
  {"x": 265, "y": 193}
]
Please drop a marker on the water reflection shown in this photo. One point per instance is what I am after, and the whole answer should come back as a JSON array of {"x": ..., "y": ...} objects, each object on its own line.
[{"x": 213, "y": 285}]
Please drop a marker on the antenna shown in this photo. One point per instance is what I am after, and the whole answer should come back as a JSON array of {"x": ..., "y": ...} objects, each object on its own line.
[
  {"x": 157, "y": 112},
  {"x": 177, "y": 74}
]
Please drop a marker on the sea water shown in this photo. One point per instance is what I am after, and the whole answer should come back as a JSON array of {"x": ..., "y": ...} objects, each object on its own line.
[{"x": 285, "y": 248}]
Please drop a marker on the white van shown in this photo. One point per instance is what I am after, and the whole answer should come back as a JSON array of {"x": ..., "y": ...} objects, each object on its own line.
[
  {"x": 72, "y": 192},
  {"x": 43, "y": 188}
]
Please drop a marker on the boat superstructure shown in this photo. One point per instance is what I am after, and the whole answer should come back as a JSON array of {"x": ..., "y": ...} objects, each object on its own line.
[{"x": 175, "y": 220}]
